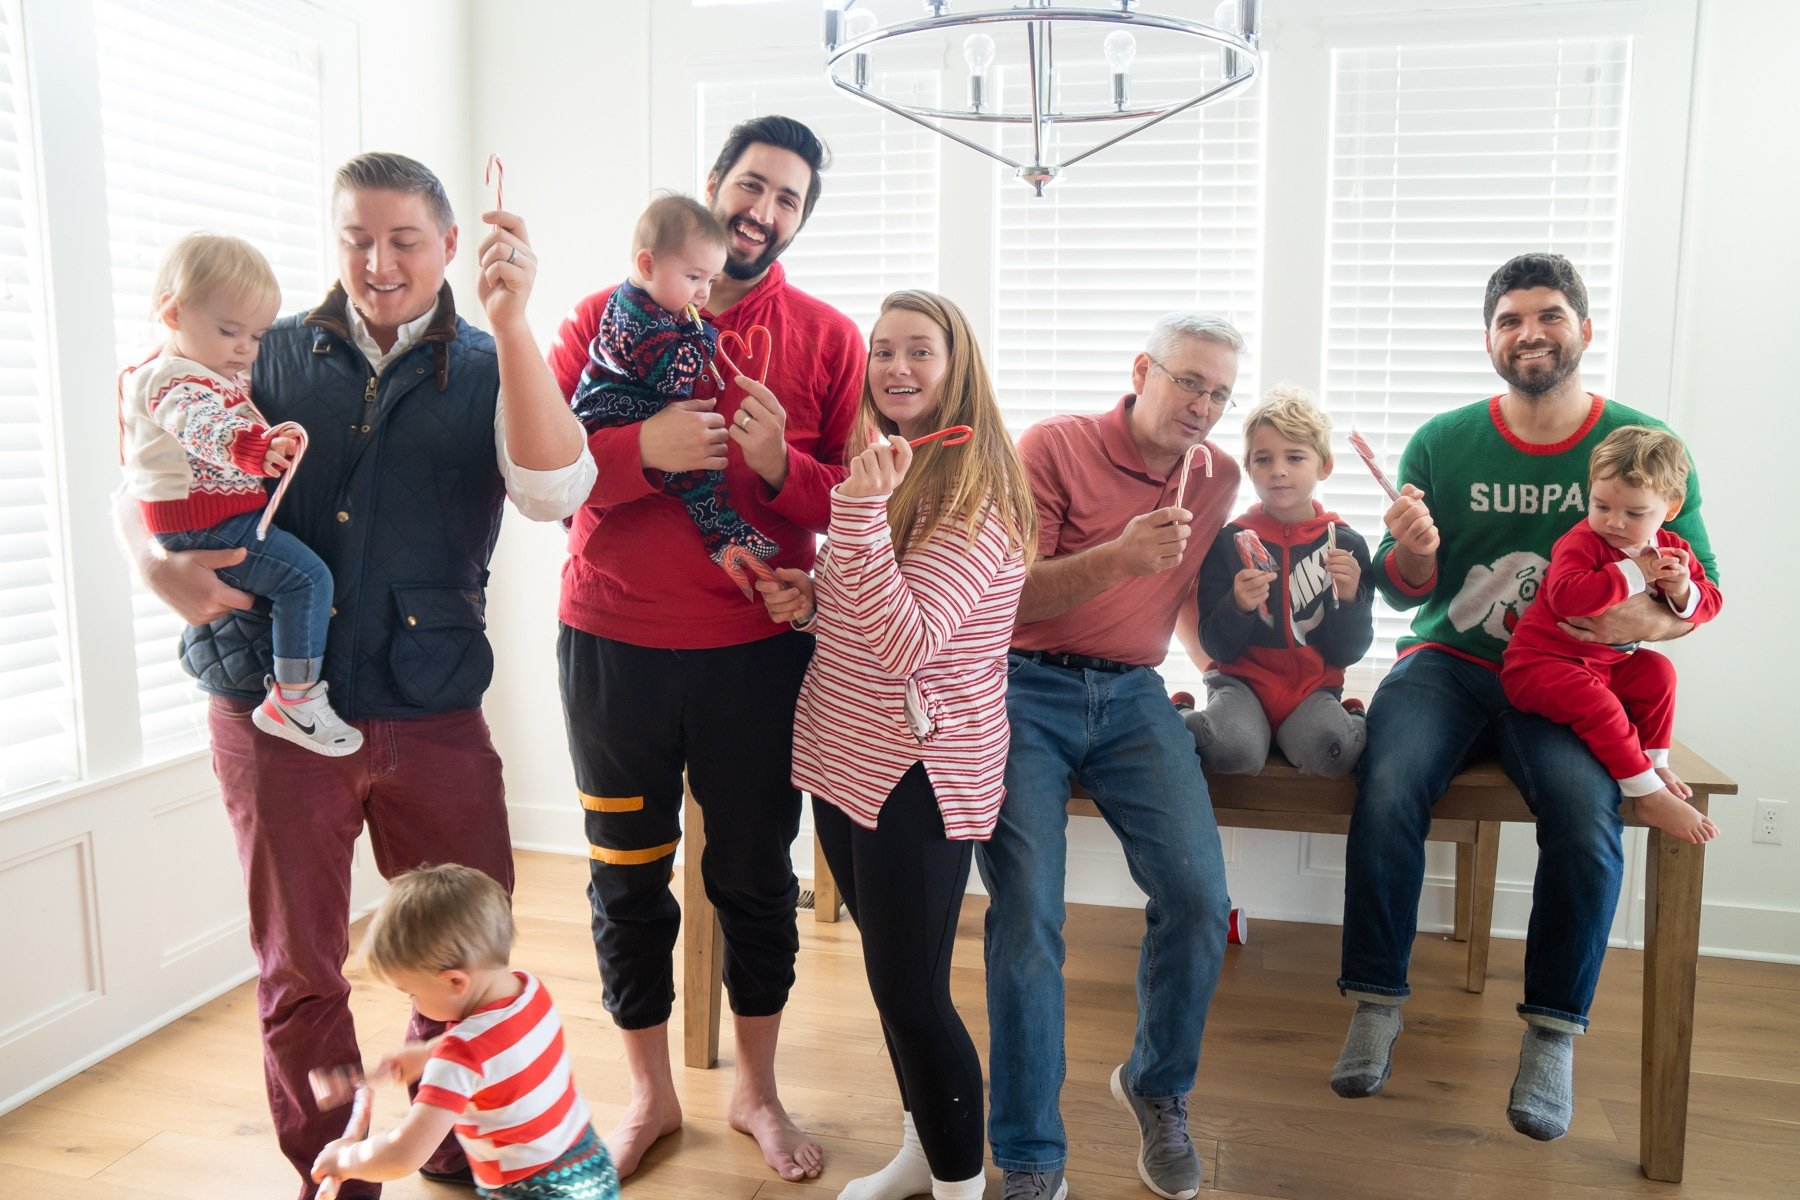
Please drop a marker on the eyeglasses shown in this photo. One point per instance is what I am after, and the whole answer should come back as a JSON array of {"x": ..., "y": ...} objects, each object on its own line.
[{"x": 1220, "y": 397}]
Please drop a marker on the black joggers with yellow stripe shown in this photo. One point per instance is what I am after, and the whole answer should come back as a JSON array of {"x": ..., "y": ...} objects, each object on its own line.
[{"x": 636, "y": 718}]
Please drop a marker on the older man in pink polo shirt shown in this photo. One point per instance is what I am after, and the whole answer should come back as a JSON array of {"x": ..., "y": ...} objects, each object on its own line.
[{"x": 1115, "y": 574}]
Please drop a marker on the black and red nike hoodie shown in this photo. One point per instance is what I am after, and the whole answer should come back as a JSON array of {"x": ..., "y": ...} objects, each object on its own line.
[{"x": 1301, "y": 645}]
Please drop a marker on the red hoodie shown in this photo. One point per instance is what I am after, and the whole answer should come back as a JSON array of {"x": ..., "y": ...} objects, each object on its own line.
[
  {"x": 1304, "y": 643},
  {"x": 637, "y": 570}
]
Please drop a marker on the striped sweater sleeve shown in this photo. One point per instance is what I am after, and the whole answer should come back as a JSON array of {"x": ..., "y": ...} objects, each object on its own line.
[{"x": 907, "y": 620}]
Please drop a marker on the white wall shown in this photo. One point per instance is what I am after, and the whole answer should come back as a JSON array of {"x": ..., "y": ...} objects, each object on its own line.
[{"x": 1733, "y": 399}]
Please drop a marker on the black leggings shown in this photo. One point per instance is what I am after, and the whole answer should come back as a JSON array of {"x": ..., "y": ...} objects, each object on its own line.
[{"x": 903, "y": 883}]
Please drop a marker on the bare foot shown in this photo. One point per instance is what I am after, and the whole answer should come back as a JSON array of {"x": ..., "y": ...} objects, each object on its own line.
[
  {"x": 785, "y": 1147},
  {"x": 645, "y": 1120},
  {"x": 1673, "y": 782},
  {"x": 1668, "y": 812}
]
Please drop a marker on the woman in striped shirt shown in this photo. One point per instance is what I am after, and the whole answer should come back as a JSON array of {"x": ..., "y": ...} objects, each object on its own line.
[{"x": 900, "y": 732}]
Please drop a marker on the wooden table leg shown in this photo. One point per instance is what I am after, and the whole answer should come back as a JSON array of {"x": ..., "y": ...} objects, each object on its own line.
[
  {"x": 825, "y": 889},
  {"x": 1484, "y": 867},
  {"x": 703, "y": 956},
  {"x": 1465, "y": 867},
  {"x": 1673, "y": 873}
]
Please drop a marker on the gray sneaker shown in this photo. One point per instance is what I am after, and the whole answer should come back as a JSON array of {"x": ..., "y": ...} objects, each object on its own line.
[
  {"x": 1167, "y": 1161},
  {"x": 1034, "y": 1185}
]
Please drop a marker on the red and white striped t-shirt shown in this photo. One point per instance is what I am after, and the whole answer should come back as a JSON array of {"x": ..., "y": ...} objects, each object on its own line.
[
  {"x": 504, "y": 1071},
  {"x": 910, "y": 667}
]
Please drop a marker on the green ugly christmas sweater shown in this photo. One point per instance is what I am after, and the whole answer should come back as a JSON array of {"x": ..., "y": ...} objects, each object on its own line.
[{"x": 1500, "y": 504}]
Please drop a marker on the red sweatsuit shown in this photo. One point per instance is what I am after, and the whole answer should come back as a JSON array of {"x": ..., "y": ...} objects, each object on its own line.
[{"x": 1619, "y": 700}]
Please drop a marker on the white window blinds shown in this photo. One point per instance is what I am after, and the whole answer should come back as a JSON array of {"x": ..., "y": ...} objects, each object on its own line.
[
  {"x": 1447, "y": 160},
  {"x": 211, "y": 118},
  {"x": 875, "y": 229},
  {"x": 37, "y": 707},
  {"x": 1170, "y": 218}
]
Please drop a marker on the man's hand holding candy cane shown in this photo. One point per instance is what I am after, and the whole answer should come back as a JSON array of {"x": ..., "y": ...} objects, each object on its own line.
[{"x": 1415, "y": 536}]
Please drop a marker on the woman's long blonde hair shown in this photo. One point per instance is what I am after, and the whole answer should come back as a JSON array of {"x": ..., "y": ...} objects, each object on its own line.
[{"x": 959, "y": 484}]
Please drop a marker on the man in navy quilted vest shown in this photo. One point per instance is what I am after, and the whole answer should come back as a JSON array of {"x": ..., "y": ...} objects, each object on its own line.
[{"x": 419, "y": 425}]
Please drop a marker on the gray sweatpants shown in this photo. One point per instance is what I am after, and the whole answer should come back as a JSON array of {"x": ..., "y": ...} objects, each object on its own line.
[{"x": 1232, "y": 731}]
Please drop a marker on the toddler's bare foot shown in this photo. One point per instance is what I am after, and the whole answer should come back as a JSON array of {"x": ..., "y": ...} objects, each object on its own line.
[
  {"x": 647, "y": 1119},
  {"x": 1668, "y": 812},
  {"x": 1673, "y": 782}
]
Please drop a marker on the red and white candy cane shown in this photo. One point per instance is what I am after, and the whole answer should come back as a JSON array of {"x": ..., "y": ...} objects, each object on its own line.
[
  {"x": 1362, "y": 447},
  {"x": 285, "y": 429},
  {"x": 495, "y": 177},
  {"x": 1187, "y": 468},
  {"x": 949, "y": 435}
]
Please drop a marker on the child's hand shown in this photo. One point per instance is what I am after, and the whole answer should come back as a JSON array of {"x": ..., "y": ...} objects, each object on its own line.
[
  {"x": 1251, "y": 588},
  {"x": 404, "y": 1065},
  {"x": 1660, "y": 572},
  {"x": 335, "y": 1161},
  {"x": 789, "y": 599},
  {"x": 280, "y": 455},
  {"x": 1411, "y": 523},
  {"x": 1345, "y": 574},
  {"x": 878, "y": 470}
]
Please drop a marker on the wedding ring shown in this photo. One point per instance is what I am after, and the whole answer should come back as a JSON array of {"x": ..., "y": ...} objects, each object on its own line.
[{"x": 513, "y": 255}]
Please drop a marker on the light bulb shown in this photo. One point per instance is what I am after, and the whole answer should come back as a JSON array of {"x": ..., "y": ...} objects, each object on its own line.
[
  {"x": 1120, "y": 48},
  {"x": 978, "y": 52},
  {"x": 1225, "y": 18}
]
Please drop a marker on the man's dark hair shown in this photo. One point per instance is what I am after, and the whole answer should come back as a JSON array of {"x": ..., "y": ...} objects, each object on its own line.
[
  {"x": 1535, "y": 271},
  {"x": 784, "y": 133},
  {"x": 383, "y": 171}
]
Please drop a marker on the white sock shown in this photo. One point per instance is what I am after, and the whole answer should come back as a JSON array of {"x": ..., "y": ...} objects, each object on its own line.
[
  {"x": 962, "y": 1189},
  {"x": 906, "y": 1176}
]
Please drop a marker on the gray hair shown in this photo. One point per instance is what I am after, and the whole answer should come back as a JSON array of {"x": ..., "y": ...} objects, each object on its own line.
[{"x": 1170, "y": 328}]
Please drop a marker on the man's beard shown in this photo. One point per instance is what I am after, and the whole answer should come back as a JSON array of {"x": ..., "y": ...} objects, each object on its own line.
[
  {"x": 1567, "y": 359},
  {"x": 753, "y": 269}
]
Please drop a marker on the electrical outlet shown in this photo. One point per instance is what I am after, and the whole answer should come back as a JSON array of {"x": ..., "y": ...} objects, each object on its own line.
[{"x": 1766, "y": 821}]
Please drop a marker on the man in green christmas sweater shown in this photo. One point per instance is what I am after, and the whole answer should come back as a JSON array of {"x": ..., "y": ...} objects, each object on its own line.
[{"x": 1486, "y": 491}]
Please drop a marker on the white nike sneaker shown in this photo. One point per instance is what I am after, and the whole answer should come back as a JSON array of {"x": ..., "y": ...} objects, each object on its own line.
[{"x": 308, "y": 721}]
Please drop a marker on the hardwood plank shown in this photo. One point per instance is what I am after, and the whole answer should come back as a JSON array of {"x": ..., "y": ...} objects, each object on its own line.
[{"x": 181, "y": 1113}]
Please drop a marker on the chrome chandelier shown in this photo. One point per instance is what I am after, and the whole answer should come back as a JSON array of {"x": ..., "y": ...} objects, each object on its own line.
[{"x": 1026, "y": 30}]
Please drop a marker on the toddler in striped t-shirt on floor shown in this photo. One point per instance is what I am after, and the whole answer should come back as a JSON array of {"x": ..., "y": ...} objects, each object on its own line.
[{"x": 499, "y": 1076}]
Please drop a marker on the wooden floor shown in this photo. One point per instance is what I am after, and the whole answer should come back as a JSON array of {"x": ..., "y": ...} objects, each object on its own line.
[{"x": 181, "y": 1113}]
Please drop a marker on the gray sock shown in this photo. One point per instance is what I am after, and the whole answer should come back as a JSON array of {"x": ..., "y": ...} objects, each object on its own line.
[
  {"x": 1543, "y": 1094},
  {"x": 1368, "y": 1050}
]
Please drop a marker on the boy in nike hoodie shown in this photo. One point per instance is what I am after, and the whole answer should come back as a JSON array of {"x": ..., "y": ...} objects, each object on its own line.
[{"x": 1280, "y": 639}]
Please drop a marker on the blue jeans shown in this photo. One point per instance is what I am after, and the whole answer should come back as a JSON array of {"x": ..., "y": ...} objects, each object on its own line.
[
  {"x": 285, "y": 571},
  {"x": 1119, "y": 735},
  {"x": 1432, "y": 714}
]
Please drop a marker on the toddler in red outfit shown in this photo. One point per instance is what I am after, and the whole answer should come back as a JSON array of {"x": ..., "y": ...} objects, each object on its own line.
[{"x": 1619, "y": 699}]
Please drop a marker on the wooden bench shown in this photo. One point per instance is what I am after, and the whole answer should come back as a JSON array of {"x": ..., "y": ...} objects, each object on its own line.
[{"x": 1470, "y": 815}]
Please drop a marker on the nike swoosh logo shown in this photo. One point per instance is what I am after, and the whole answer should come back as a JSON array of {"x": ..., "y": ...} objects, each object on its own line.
[{"x": 295, "y": 722}]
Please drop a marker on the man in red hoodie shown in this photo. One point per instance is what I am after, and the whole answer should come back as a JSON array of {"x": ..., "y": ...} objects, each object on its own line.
[{"x": 665, "y": 667}]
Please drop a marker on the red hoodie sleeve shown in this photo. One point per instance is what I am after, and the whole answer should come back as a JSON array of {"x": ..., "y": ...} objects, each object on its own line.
[
  {"x": 621, "y": 474},
  {"x": 805, "y": 497}
]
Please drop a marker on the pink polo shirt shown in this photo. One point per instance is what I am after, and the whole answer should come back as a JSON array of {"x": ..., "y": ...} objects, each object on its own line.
[{"x": 1089, "y": 481}]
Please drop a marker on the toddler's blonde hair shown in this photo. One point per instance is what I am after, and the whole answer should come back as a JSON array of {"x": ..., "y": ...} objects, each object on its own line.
[
  {"x": 1640, "y": 456},
  {"x": 214, "y": 266},
  {"x": 445, "y": 918}
]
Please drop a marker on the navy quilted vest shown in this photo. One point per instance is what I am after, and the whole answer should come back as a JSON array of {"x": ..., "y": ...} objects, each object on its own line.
[{"x": 401, "y": 495}]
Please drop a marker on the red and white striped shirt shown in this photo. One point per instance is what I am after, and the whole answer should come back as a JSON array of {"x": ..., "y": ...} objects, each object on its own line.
[
  {"x": 910, "y": 667},
  {"x": 504, "y": 1071}
]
